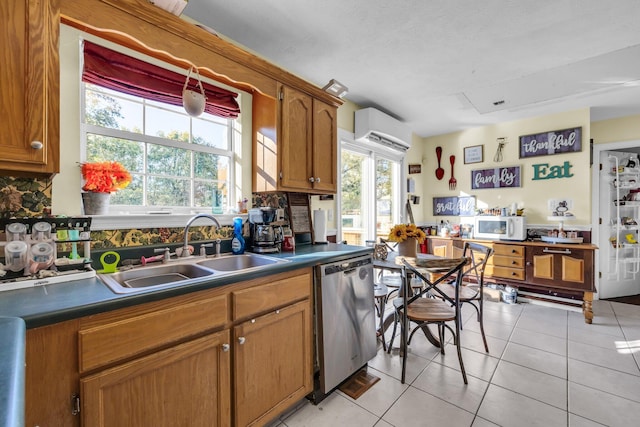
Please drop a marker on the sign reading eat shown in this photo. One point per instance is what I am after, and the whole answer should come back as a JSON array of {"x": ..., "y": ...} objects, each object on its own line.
[{"x": 544, "y": 171}]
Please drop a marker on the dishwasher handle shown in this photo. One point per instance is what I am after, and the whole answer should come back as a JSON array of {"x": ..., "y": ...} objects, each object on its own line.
[{"x": 345, "y": 266}]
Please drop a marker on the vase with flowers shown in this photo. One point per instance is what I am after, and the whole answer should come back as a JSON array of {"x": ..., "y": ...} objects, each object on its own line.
[
  {"x": 100, "y": 180},
  {"x": 407, "y": 236}
]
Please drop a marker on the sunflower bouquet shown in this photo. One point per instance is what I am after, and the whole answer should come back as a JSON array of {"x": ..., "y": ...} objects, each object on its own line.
[
  {"x": 104, "y": 177},
  {"x": 402, "y": 232}
]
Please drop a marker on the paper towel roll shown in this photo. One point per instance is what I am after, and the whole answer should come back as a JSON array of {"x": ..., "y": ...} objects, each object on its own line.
[{"x": 320, "y": 226}]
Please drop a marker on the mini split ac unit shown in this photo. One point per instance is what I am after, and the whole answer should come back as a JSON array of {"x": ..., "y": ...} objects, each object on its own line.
[{"x": 374, "y": 126}]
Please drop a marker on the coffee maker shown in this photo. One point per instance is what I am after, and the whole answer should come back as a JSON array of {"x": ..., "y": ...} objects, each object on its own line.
[{"x": 265, "y": 236}]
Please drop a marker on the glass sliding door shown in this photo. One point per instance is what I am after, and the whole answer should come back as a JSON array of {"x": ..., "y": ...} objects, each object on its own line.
[
  {"x": 387, "y": 196},
  {"x": 371, "y": 194},
  {"x": 355, "y": 197}
]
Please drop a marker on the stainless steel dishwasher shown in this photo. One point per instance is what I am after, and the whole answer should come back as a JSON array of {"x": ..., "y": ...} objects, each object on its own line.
[{"x": 346, "y": 321}]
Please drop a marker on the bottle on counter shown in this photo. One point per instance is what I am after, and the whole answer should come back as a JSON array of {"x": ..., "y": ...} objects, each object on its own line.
[{"x": 237, "y": 243}]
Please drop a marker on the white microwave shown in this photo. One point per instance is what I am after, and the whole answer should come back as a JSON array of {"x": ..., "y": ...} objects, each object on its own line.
[{"x": 500, "y": 227}]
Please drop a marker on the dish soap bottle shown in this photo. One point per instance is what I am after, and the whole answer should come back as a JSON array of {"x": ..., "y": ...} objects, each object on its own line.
[{"x": 237, "y": 243}]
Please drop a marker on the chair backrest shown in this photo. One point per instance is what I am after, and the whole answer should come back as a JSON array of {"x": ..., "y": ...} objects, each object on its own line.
[
  {"x": 431, "y": 285},
  {"x": 479, "y": 256}
]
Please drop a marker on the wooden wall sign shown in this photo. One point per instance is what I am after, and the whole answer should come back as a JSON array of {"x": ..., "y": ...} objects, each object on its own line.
[
  {"x": 508, "y": 177},
  {"x": 553, "y": 142},
  {"x": 299, "y": 213},
  {"x": 545, "y": 171},
  {"x": 454, "y": 206}
]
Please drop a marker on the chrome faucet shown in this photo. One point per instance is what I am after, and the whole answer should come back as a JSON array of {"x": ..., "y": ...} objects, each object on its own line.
[{"x": 185, "y": 248}]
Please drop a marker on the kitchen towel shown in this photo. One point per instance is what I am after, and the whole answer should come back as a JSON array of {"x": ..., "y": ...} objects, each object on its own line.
[{"x": 320, "y": 226}]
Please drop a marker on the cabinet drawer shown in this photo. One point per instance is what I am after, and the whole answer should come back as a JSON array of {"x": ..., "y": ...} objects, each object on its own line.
[
  {"x": 251, "y": 301},
  {"x": 125, "y": 336},
  {"x": 508, "y": 261},
  {"x": 509, "y": 250},
  {"x": 505, "y": 272}
]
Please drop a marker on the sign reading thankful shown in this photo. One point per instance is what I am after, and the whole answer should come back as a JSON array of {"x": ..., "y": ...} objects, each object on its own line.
[
  {"x": 454, "y": 206},
  {"x": 553, "y": 142},
  {"x": 495, "y": 178},
  {"x": 544, "y": 171}
]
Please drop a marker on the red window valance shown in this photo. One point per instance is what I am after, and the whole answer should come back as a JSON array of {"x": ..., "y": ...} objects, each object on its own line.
[{"x": 122, "y": 73}]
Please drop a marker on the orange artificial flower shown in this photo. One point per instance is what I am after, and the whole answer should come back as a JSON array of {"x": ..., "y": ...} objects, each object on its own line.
[{"x": 104, "y": 177}]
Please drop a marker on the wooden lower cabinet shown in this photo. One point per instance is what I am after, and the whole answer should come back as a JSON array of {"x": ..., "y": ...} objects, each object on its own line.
[
  {"x": 185, "y": 385},
  {"x": 507, "y": 262},
  {"x": 240, "y": 355},
  {"x": 563, "y": 268},
  {"x": 51, "y": 377},
  {"x": 440, "y": 247},
  {"x": 273, "y": 363}
]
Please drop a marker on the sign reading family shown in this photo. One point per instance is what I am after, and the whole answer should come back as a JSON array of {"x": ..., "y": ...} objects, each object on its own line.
[
  {"x": 495, "y": 178},
  {"x": 554, "y": 142},
  {"x": 454, "y": 206}
]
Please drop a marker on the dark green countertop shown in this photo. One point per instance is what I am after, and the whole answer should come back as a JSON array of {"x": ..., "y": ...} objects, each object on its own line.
[
  {"x": 12, "y": 337},
  {"x": 48, "y": 304}
]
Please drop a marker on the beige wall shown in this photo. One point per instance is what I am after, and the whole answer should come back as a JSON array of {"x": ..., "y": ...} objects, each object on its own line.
[
  {"x": 532, "y": 195},
  {"x": 615, "y": 130}
]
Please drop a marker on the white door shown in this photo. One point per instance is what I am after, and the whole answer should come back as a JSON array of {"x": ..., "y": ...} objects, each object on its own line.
[{"x": 617, "y": 222}]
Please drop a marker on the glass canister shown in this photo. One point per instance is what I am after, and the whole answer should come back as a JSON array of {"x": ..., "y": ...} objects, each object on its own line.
[
  {"x": 15, "y": 255},
  {"x": 41, "y": 256},
  {"x": 41, "y": 231},
  {"x": 16, "y": 231}
]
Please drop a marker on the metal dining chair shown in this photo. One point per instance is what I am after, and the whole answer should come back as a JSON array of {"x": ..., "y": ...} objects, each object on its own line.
[
  {"x": 423, "y": 309},
  {"x": 471, "y": 291}
]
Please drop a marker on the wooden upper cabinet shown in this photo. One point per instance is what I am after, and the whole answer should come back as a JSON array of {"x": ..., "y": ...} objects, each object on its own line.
[
  {"x": 325, "y": 147},
  {"x": 29, "y": 87},
  {"x": 295, "y": 145},
  {"x": 301, "y": 155}
]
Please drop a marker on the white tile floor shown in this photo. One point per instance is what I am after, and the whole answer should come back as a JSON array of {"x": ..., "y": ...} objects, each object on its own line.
[{"x": 546, "y": 367}]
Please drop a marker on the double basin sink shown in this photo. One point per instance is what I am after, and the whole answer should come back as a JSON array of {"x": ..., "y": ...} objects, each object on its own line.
[{"x": 183, "y": 271}]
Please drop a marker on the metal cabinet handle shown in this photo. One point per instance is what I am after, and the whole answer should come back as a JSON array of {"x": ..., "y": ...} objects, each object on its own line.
[
  {"x": 318, "y": 180},
  {"x": 37, "y": 145},
  {"x": 552, "y": 251},
  {"x": 225, "y": 347},
  {"x": 312, "y": 179},
  {"x": 241, "y": 340}
]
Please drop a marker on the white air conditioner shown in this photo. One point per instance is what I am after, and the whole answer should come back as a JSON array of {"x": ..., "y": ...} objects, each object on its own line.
[{"x": 374, "y": 126}]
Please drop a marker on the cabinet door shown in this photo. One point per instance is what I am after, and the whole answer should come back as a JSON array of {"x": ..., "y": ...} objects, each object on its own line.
[
  {"x": 325, "y": 147},
  {"x": 51, "y": 375},
  {"x": 29, "y": 84},
  {"x": 185, "y": 385},
  {"x": 440, "y": 247},
  {"x": 296, "y": 117},
  {"x": 560, "y": 268},
  {"x": 273, "y": 363}
]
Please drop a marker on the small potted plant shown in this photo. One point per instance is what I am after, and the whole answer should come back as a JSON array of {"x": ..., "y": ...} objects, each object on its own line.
[
  {"x": 408, "y": 236},
  {"x": 100, "y": 180}
]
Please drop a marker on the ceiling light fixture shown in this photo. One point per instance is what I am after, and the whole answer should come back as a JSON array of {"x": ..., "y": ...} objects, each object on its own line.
[{"x": 336, "y": 88}]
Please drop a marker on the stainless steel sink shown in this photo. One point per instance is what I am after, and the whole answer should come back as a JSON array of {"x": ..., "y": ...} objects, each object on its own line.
[
  {"x": 239, "y": 262},
  {"x": 183, "y": 272},
  {"x": 154, "y": 277}
]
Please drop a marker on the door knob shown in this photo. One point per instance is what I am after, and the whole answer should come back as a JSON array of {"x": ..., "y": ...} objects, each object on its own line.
[
  {"x": 225, "y": 347},
  {"x": 241, "y": 340},
  {"x": 37, "y": 145}
]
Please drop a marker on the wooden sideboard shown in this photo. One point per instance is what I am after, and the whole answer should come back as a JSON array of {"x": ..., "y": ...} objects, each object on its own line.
[{"x": 560, "y": 273}]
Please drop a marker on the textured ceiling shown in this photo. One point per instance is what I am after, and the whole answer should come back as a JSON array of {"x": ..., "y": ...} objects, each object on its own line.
[{"x": 443, "y": 66}]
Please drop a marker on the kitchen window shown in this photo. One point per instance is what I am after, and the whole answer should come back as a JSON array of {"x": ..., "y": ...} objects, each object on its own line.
[
  {"x": 176, "y": 161},
  {"x": 371, "y": 194},
  {"x": 132, "y": 113}
]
